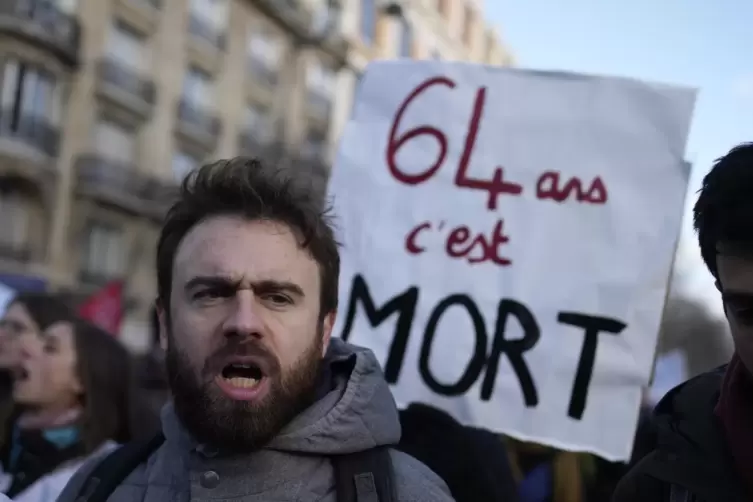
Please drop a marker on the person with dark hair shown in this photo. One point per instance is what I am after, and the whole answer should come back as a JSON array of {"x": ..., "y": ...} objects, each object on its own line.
[
  {"x": 266, "y": 405},
  {"x": 74, "y": 398},
  {"x": 704, "y": 427},
  {"x": 25, "y": 318}
]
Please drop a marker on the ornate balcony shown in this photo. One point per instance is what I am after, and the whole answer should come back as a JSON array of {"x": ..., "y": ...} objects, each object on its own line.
[
  {"x": 202, "y": 30},
  {"x": 142, "y": 14},
  {"x": 125, "y": 88},
  {"x": 124, "y": 186},
  {"x": 197, "y": 126},
  {"x": 35, "y": 133},
  {"x": 42, "y": 23},
  {"x": 298, "y": 18}
]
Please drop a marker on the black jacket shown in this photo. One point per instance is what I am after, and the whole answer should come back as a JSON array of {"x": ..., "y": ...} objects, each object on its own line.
[
  {"x": 691, "y": 450},
  {"x": 473, "y": 462}
]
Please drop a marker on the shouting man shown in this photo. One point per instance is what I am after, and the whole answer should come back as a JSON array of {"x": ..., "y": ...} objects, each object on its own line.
[
  {"x": 265, "y": 405},
  {"x": 704, "y": 427}
]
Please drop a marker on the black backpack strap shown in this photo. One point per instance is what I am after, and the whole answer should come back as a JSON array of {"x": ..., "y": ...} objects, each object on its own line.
[
  {"x": 115, "y": 467},
  {"x": 365, "y": 476}
]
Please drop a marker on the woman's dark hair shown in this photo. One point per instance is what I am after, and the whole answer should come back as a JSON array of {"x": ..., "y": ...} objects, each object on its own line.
[
  {"x": 104, "y": 367},
  {"x": 45, "y": 309}
]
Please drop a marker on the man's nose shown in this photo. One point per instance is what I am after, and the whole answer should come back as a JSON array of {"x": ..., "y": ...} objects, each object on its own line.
[{"x": 244, "y": 318}]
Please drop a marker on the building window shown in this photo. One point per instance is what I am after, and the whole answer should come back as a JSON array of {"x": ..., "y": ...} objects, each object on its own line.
[
  {"x": 28, "y": 92},
  {"x": 104, "y": 255},
  {"x": 264, "y": 56},
  {"x": 183, "y": 164},
  {"x": 368, "y": 21},
  {"x": 127, "y": 46},
  {"x": 257, "y": 122},
  {"x": 197, "y": 88},
  {"x": 406, "y": 39},
  {"x": 14, "y": 230},
  {"x": 214, "y": 12},
  {"x": 115, "y": 142},
  {"x": 320, "y": 82}
]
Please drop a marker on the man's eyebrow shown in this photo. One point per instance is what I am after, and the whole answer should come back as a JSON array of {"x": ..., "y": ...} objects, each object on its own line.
[
  {"x": 278, "y": 286},
  {"x": 269, "y": 285},
  {"x": 211, "y": 281}
]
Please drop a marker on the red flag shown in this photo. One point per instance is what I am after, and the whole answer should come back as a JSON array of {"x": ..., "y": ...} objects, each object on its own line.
[{"x": 105, "y": 308}]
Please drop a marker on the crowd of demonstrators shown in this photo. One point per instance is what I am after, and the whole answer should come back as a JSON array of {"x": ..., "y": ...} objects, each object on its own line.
[
  {"x": 67, "y": 400},
  {"x": 245, "y": 395}
]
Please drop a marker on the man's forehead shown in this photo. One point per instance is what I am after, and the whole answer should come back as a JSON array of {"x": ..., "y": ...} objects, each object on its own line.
[{"x": 235, "y": 248}]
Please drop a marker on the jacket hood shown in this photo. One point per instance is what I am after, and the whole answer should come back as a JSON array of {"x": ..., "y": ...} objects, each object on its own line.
[
  {"x": 357, "y": 413},
  {"x": 691, "y": 449}
]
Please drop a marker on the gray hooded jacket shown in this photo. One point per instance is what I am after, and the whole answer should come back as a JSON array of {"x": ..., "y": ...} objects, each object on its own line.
[{"x": 358, "y": 414}]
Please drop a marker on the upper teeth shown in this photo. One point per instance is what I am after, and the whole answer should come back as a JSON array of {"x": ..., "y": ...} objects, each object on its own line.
[{"x": 242, "y": 382}]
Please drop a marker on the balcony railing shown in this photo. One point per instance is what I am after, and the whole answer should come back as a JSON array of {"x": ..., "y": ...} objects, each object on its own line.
[
  {"x": 262, "y": 72},
  {"x": 202, "y": 30},
  {"x": 113, "y": 181},
  {"x": 291, "y": 14},
  {"x": 127, "y": 80},
  {"x": 199, "y": 124},
  {"x": 36, "y": 132},
  {"x": 42, "y": 22}
]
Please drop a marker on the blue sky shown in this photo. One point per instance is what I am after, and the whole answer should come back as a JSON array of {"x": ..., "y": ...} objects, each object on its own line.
[{"x": 705, "y": 44}]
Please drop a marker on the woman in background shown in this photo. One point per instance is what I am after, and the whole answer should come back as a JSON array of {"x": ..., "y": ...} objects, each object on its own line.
[
  {"x": 74, "y": 395},
  {"x": 25, "y": 318}
]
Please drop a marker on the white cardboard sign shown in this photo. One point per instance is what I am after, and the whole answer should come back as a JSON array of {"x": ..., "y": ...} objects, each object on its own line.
[{"x": 507, "y": 241}]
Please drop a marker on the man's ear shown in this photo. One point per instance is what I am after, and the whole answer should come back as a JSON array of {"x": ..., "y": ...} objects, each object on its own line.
[
  {"x": 327, "y": 325},
  {"x": 163, "y": 323}
]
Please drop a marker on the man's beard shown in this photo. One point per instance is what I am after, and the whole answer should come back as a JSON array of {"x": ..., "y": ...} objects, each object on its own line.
[{"x": 215, "y": 419}]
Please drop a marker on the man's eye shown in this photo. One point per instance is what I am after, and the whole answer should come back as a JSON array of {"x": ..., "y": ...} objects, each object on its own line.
[
  {"x": 278, "y": 299},
  {"x": 208, "y": 294}
]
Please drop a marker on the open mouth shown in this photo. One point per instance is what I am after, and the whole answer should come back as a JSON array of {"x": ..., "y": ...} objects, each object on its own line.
[{"x": 242, "y": 375}]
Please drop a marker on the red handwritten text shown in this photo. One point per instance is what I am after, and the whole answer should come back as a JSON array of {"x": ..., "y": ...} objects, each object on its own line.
[
  {"x": 494, "y": 187},
  {"x": 461, "y": 243},
  {"x": 548, "y": 187}
]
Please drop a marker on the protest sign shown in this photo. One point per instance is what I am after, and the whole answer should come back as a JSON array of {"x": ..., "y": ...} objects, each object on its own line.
[{"x": 507, "y": 241}]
